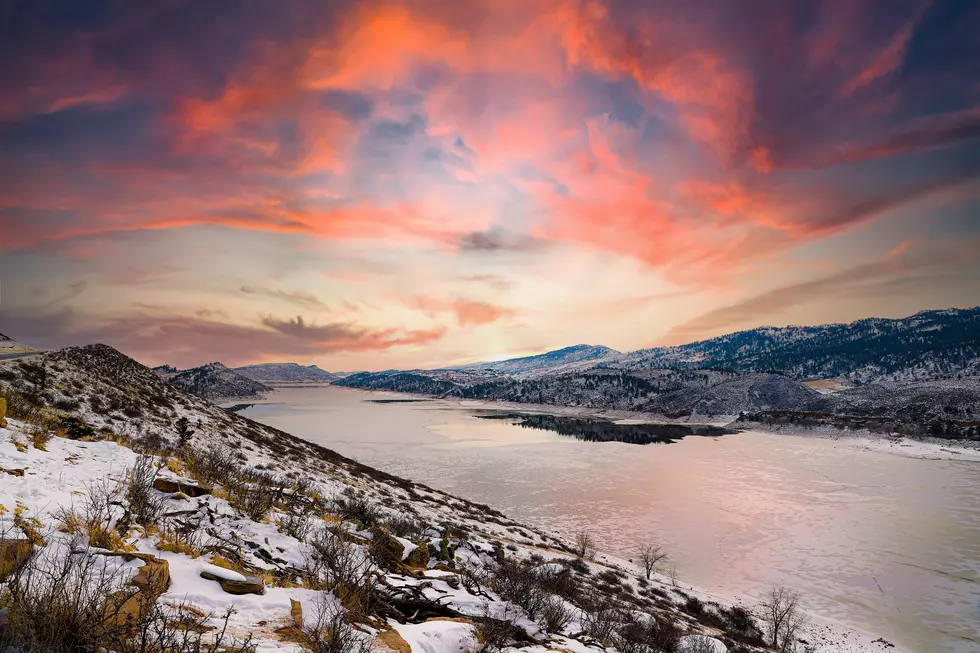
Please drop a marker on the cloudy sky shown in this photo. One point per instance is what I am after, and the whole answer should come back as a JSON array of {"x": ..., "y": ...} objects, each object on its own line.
[{"x": 377, "y": 184}]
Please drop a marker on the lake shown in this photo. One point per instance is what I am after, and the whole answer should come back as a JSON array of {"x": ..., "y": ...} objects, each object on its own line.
[{"x": 879, "y": 542}]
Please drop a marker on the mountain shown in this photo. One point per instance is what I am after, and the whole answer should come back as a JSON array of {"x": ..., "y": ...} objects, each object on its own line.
[
  {"x": 551, "y": 360},
  {"x": 213, "y": 381},
  {"x": 927, "y": 345},
  {"x": 285, "y": 373}
]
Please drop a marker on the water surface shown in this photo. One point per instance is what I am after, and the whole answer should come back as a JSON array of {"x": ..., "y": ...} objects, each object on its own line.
[{"x": 886, "y": 544}]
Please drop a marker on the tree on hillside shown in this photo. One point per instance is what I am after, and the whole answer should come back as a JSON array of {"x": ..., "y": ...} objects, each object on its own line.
[
  {"x": 780, "y": 610},
  {"x": 184, "y": 431},
  {"x": 651, "y": 556}
]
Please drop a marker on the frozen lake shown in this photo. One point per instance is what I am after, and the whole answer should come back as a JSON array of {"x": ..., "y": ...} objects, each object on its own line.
[{"x": 886, "y": 544}]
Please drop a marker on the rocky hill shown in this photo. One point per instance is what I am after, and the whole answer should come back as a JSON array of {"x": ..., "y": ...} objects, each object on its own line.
[
  {"x": 275, "y": 373},
  {"x": 213, "y": 381},
  {"x": 240, "y": 538}
]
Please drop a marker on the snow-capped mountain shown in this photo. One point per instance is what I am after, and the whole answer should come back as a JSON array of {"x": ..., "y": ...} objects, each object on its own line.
[
  {"x": 927, "y": 345},
  {"x": 285, "y": 373}
]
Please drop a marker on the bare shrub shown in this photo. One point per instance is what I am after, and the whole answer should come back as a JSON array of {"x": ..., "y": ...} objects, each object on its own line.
[
  {"x": 181, "y": 535},
  {"x": 298, "y": 526},
  {"x": 331, "y": 563},
  {"x": 783, "y": 618},
  {"x": 94, "y": 519},
  {"x": 145, "y": 504},
  {"x": 495, "y": 632},
  {"x": 519, "y": 584},
  {"x": 740, "y": 621},
  {"x": 600, "y": 616},
  {"x": 330, "y": 631},
  {"x": 408, "y": 527},
  {"x": 648, "y": 635},
  {"x": 213, "y": 466},
  {"x": 585, "y": 545},
  {"x": 555, "y": 615},
  {"x": 651, "y": 556},
  {"x": 64, "y": 602},
  {"x": 699, "y": 644},
  {"x": 40, "y": 435},
  {"x": 561, "y": 582},
  {"x": 355, "y": 506},
  {"x": 254, "y": 493}
]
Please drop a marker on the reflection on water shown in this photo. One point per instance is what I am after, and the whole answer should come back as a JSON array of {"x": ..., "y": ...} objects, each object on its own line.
[
  {"x": 603, "y": 430},
  {"x": 883, "y": 543}
]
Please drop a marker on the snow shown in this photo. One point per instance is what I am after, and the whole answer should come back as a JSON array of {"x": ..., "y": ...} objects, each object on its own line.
[
  {"x": 699, "y": 644},
  {"x": 437, "y": 636}
]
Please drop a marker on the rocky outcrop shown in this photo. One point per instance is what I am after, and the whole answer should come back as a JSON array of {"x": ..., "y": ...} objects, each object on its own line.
[{"x": 173, "y": 486}]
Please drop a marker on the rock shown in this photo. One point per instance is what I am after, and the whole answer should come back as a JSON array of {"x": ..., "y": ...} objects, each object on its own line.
[
  {"x": 393, "y": 640},
  {"x": 173, "y": 486},
  {"x": 14, "y": 553},
  {"x": 250, "y": 584},
  {"x": 386, "y": 548},
  {"x": 419, "y": 557},
  {"x": 153, "y": 577}
]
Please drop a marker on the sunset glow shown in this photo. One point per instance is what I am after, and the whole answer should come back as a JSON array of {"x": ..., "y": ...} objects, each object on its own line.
[{"x": 407, "y": 184}]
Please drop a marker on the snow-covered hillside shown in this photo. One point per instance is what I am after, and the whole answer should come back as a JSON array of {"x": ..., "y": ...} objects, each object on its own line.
[
  {"x": 551, "y": 360},
  {"x": 243, "y": 538},
  {"x": 214, "y": 381},
  {"x": 273, "y": 373}
]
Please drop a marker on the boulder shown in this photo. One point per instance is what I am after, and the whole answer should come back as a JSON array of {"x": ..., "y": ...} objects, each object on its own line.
[
  {"x": 419, "y": 557},
  {"x": 173, "y": 486},
  {"x": 153, "y": 577},
  {"x": 234, "y": 583},
  {"x": 14, "y": 554}
]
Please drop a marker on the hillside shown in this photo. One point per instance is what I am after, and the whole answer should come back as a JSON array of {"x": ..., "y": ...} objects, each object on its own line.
[
  {"x": 213, "y": 381},
  {"x": 551, "y": 360},
  {"x": 272, "y": 373},
  {"x": 10, "y": 346},
  {"x": 247, "y": 539},
  {"x": 663, "y": 392},
  {"x": 927, "y": 345}
]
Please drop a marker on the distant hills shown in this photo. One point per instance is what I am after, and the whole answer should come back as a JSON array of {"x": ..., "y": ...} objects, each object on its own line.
[
  {"x": 213, "y": 381},
  {"x": 577, "y": 354},
  {"x": 918, "y": 375},
  {"x": 924, "y": 346},
  {"x": 218, "y": 382},
  {"x": 10, "y": 346},
  {"x": 286, "y": 373}
]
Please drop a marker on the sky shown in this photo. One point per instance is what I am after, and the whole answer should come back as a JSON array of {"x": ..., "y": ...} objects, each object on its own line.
[{"x": 417, "y": 183}]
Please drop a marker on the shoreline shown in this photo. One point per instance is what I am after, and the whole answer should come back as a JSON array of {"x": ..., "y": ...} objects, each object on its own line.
[{"x": 893, "y": 444}]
